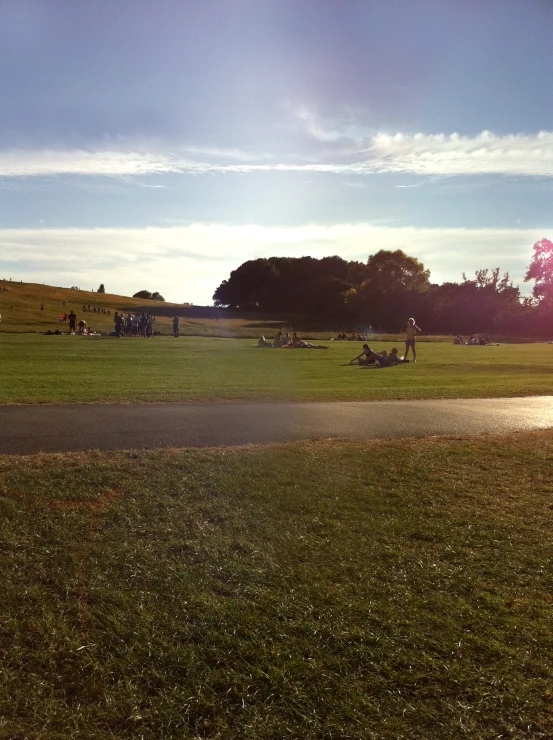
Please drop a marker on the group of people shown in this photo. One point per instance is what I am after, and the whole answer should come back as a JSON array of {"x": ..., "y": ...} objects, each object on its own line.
[
  {"x": 474, "y": 339},
  {"x": 369, "y": 357},
  {"x": 88, "y": 309},
  {"x": 289, "y": 341},
  {"x": 134, "y": 325},
  {"x": 343, "y": 337},
  {"x": 71, "y": 317},
  {"x": 131, "y": 325}
]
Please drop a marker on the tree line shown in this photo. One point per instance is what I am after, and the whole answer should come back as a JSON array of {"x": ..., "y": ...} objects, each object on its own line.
[{"x": 391, "y": 286}]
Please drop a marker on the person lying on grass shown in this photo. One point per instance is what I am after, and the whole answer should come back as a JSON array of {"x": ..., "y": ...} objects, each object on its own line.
[
  {"x": 383, "y": 359},
  {"x": 298, "y": 343}
]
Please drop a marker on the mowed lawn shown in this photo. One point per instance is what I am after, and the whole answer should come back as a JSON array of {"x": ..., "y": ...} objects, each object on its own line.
[
  {"x": 42, "y": 369},
  {"x": 315, "y": 590}
]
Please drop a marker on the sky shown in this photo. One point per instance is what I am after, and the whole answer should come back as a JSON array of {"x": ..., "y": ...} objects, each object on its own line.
[{"x": 158, "y": 145}]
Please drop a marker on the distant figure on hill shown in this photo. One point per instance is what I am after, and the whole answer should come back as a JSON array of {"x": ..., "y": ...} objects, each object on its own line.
[
  {"x": 410, "y": 338},
  {"x": 42, "y": 306},
  {"x": 72, "y": 321},
  {"x": 176, "y": 322}
]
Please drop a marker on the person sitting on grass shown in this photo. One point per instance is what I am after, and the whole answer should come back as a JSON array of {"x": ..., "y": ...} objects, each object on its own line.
[
  {"x": 363, "y": 358},
  {"x": 277, "y": 341},
  {"x": 297, "y": 343}
]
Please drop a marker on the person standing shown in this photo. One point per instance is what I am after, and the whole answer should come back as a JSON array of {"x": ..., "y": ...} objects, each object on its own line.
[
  {"x": 176, "y": 322},
  {"x": 72, "y": 322},
  {"x": 118, "y": 322},
  {"x": 410, "y": 339}
]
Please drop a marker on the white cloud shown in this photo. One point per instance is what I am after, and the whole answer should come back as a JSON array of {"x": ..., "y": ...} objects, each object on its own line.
[
  {"x": 187, "y": 263},
  {"x": 462, "y": 155},
  {"x": 419, "y": 154}
]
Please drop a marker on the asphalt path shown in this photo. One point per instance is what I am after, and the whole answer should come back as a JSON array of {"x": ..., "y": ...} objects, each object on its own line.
[{"x": 26, "y": 430}]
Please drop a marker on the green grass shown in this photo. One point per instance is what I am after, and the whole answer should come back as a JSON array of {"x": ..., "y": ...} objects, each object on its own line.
[
  {"x": 37, "y": 369},
  {"x": 316, "y": 590}
]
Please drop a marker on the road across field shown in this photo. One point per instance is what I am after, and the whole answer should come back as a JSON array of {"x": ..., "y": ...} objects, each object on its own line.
[{"x": 26, "y": 430}]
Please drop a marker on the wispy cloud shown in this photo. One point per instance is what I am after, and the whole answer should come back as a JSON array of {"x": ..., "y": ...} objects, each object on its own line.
[
  {"x": 462, "y": 155},
  {"x": 416, "y": 154},
  {"x": 188, "y": 262}
]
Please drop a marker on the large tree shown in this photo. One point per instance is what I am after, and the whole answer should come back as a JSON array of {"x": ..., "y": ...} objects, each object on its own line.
[
  {"x": 540, "y": 271},
  {"x": 392, "y": 291}
]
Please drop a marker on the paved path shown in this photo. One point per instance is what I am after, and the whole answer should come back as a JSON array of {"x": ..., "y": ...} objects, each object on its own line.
[{"x": 29, "y": 429}]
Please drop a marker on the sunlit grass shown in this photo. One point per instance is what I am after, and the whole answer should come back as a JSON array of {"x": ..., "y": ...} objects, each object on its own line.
[
  {"x": 379, "y": 590},
  {"x": 37, "y": 369}
]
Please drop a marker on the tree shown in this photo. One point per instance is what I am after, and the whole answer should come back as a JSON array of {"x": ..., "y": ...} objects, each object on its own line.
[
  {"x": 396, "y": 271},
  {"x": 541, "y": 271},
  {"x": 149, "y": 296},
  {"x": 248, "y": 287},
  {"x": 101, "y": 289},
  {"x": 393, "y": 289}
]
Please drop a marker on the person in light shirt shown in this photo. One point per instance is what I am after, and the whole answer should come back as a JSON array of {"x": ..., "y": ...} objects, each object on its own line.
[{"x": 410, "y": 338}]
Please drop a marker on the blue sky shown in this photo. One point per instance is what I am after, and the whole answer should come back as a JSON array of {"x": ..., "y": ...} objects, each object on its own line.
[{"x": 160, "y": 144}]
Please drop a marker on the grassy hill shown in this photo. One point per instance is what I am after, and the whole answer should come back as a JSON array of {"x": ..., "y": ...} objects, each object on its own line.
[{"x": 20, "y": 308}]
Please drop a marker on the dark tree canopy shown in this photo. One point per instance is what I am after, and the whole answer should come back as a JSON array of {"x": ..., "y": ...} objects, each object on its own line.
[
  {"x": 149, "y": 296},
  {"x": 101, "y": 289},
  {"x": 389, "y": 288}
]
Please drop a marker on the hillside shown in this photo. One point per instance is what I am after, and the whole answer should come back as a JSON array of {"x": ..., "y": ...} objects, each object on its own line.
[{"x": 20, "y": 309}]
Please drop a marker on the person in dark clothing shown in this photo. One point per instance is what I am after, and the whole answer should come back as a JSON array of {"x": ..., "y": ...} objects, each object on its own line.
[{"x": 176, "y": 322}]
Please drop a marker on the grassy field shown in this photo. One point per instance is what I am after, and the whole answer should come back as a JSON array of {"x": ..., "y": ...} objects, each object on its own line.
[
  {"x": 37, "y": 369},
  {"x": 316, "y": 590}
]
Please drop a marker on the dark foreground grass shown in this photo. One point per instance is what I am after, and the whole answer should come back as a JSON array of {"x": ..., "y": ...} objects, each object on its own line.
[
  {"x": 41, "y": 369},
  {"x": 318, "y": 590}
]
